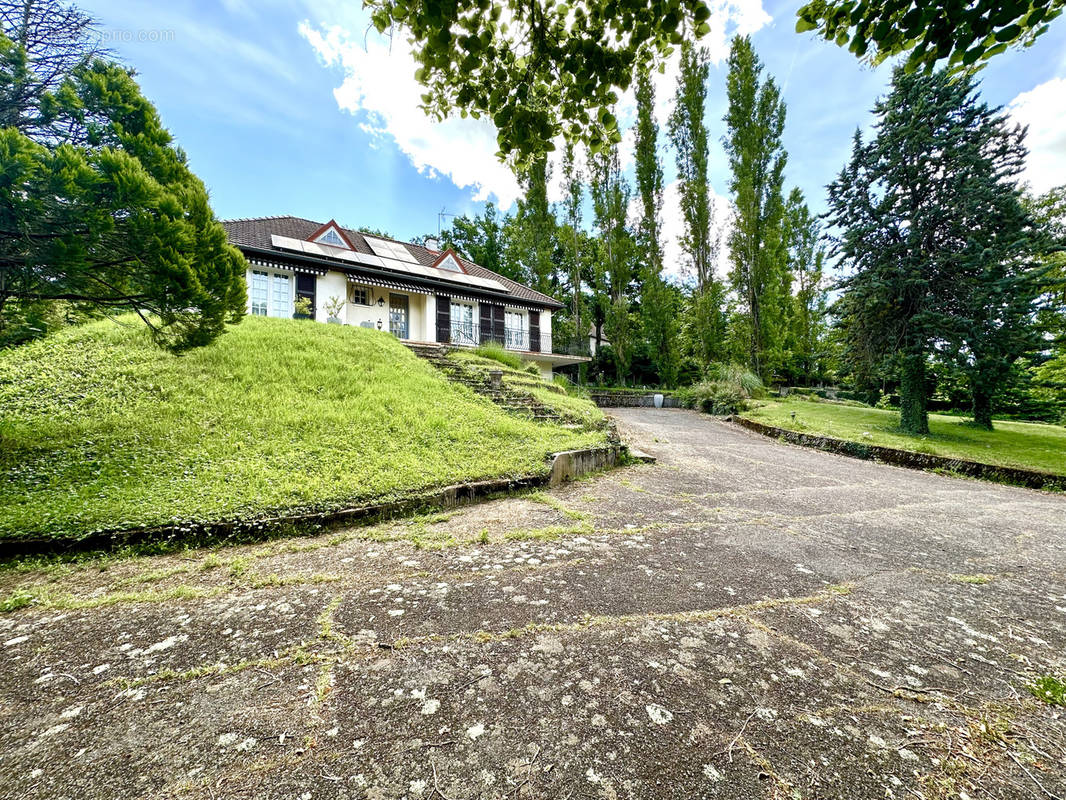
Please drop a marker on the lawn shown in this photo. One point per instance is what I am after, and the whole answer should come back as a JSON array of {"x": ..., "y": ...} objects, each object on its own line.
[
  {"x": 100, "y": 430},
  {"x": 1012, "y": 444}
]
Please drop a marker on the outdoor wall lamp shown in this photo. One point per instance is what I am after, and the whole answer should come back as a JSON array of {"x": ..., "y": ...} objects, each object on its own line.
[
  {"x": 379, "y": 324},
  {"x": 381, "y": 304}
]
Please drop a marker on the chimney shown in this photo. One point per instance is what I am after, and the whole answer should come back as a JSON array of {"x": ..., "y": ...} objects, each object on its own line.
[{"x": 431, "y": 243}]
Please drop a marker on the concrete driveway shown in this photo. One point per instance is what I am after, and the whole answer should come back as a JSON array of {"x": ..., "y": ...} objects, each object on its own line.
[{"x": 744, "y": 619}]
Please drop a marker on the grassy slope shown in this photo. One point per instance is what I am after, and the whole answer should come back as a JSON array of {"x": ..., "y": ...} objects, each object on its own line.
[
  {"x": 1013, "y": 444},
  {"x": 576, "y": 408},
  {"x": 99, "y": 429}
]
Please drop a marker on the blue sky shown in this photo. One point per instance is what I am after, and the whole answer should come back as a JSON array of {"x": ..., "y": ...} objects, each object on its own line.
[{"x": 296, "y": 108}]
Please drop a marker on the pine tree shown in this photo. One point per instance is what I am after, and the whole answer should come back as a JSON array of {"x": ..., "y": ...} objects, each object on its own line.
[
  {"x": 939, "y": 245},
  {"x": 658, "y": 316},
  {"x": 97, "y": 205},
  {"x": 755, "y": 121}
]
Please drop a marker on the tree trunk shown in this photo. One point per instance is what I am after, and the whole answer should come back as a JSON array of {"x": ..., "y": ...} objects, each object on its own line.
[
  {"x": 913, "y": 417},
  {"x": 982, "y": 401}
]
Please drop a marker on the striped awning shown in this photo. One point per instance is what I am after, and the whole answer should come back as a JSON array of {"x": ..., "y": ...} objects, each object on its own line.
[
  {"x": 261, "y": 262},
  {"x": 388, "y": 284}
]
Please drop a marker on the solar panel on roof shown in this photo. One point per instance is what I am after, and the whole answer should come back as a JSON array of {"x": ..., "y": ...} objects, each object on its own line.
[{"x": 390, "y": 250}]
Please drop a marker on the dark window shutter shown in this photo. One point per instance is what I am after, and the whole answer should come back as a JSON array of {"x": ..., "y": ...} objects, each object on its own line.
[
  {"x": 534, "y": 331},
  {"x": 305, "y": 287},
  {"x": 444, "y": 319},
  {"x": 498, "y": 332},
  {"x": 485, "y": 320}
]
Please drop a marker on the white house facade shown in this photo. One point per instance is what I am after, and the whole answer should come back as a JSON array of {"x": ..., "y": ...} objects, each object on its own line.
[{"x": 416, "y": 293}]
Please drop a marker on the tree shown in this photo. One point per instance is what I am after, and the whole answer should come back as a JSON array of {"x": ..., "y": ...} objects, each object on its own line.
[
  {"x": 755, "y": 121},
  {"x": 931, "y": 225},
  {"x": 481, "y": 240},
  {"x": 806, "y": 258},
  {"x": 570, "y": 237},
  {"x": 928, "y": 31},
  {"x": 688, "y": 135},
  {"x": 96, "y": 205},
  {"x": 610, "y": 202},
  {"x": 537, "y": 69},
  {"x": 657, "y": 312}
]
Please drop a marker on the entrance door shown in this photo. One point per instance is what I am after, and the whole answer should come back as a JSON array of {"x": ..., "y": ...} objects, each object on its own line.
[{"x": 398, "y": 315}]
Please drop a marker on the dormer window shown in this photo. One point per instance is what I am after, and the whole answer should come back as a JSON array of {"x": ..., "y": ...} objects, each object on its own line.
[
  {"x": 331, "y": 237},
  {"x": 331, "y": 234},
  {"x": 449, "y": 261}
]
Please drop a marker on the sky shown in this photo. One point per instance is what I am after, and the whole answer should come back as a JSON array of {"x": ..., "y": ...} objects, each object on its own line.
[{"x": 301, "y": 108}]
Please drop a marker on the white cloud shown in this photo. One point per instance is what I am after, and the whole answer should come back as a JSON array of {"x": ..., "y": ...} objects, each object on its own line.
[
  {"x": 379, "y": 88},
  {"x": 1043, "y": 110}
]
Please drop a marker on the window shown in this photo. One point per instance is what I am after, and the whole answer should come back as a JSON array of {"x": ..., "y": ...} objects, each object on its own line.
[
  {"x": 514, "y": 330},
  {"x": 271, "y": 294},
  {"x": 331, "y": 237},
  {"x": 463, "y": 324},
  {"x": 358, "y": 295},
  {"x": 449, "y": 263},
  {"x": 259, "y": 293},
  {"x": 281, "y": 296}
]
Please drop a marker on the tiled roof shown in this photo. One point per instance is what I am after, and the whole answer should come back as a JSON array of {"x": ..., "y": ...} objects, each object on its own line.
[{"x": 256, "y": 232}]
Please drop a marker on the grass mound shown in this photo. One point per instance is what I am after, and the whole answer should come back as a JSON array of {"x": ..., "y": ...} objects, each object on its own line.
[
  {"x": 100, "y": 430},
  {"x": 1012, "y": 444}
]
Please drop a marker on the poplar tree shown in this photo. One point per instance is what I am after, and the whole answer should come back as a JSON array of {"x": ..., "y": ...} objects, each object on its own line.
[
  {"x": 658, "y": 316},
  {"x": 755, "y": 121},
  {"x": 806, "y": 259},
  {"x": 688, "y": 136},
  {"x": 610, "y": 202},
  {"x": 570, "y": 238}
]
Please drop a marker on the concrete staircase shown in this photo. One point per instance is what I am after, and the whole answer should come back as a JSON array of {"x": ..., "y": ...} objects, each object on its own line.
[{"x": 510, "y": 400}]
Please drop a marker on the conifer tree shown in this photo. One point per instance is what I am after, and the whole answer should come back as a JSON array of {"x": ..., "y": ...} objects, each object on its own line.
[{"x": 940, "y": 247}]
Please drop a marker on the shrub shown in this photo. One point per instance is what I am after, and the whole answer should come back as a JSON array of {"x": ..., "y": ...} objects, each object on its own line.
[
  {"x": 496, "y": 352},
  {"x": 531, "y": 368},
  {"x": 727, "y": 390}
]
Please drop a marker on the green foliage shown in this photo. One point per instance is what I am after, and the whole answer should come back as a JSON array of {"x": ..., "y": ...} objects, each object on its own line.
[
  {"x": 965, "y": 34},
  {"x": 615, "y": 272},
  {"x": 727, "y": 390},
  {"x": 759, "y": 276},
  {"x": 687, "y": 131},
  {"x": 805, "y": 345},
  {"x": 1049, "y": 688},
  {"x": 106, "y": 209},
  {"x": 302, "y": 307},
  {"x": 480, "y": 239},
  {"x": 104, "y": 431},
  {"x": 496, "y": 352},
  {"x": 539, "y": 69},
  {"x": 658, "y": 313},
  {"x": 939, "y": 245},
  {"x": 1012, "y": 444}
]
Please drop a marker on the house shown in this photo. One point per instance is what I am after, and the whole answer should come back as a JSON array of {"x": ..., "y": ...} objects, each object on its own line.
[{"x": 419, "y": 294}]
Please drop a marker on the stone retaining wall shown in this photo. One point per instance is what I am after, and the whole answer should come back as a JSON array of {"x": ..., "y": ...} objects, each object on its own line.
[
  {"x": 1031, "y": 479},
  {"x": 565, "y": 466},
  {"x": 631, "y": 400}
]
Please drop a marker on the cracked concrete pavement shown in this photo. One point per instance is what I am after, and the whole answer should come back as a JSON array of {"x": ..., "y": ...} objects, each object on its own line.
[{"x": 743, "y": 619}]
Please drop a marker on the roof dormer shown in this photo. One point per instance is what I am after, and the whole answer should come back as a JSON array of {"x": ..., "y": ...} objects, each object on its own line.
[
  {"x": 449, "y": 261},
  {"x": 331, "y": 235}
]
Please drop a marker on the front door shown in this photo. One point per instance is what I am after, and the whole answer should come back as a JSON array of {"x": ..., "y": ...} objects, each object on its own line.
[{"x": 398, "y": 315}]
